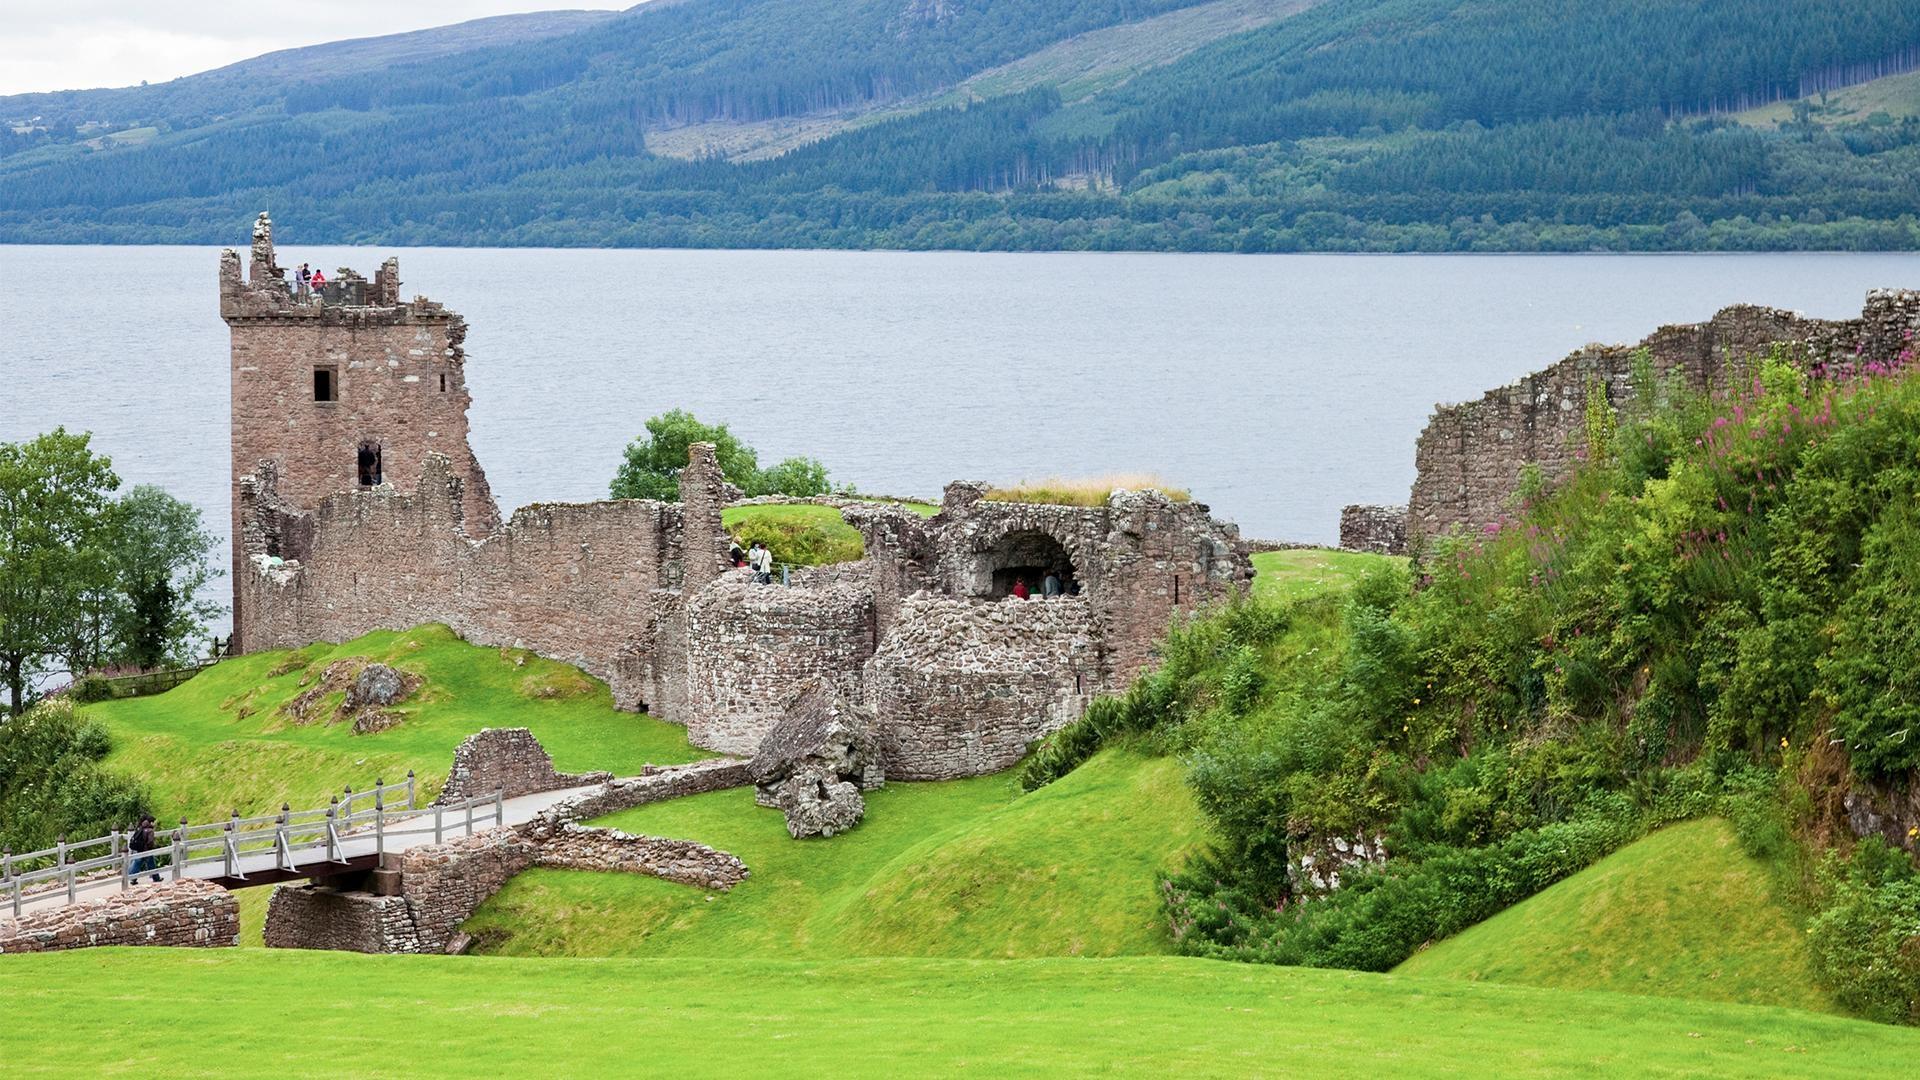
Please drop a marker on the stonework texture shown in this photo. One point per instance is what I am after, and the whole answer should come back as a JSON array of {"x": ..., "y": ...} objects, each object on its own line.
[
  {"x": 638, "y": 592},
  {"x": 343, "y": 920},
  {"x": 1470, "y": 456},
  {"x": 186, "y": 914},
  {"x": 579, "y": 847},
  {"x": 509, "y": 761},
  {"x": 657, "y": 785},
  {"x": 1381, "y": 530},
  {"x": 394, "y": 378}
]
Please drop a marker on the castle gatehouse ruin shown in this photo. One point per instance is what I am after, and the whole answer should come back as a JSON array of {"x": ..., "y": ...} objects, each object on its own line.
[{"x": 341, "y": 400}]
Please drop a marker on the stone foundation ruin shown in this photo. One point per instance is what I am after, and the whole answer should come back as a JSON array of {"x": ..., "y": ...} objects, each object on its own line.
[
  {"x": 1469, "y": 458},
  {"x": 958, "y": 678}
]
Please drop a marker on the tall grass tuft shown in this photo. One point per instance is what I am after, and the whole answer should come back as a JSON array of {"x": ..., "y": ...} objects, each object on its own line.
[{"x": 1087, "y": 491}]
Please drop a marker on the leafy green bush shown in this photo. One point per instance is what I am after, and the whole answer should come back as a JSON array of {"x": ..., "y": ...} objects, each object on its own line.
[
  {"x": 1866, "y": 945},
  {"x": 51, "y": 783},
  {"x": 650, "y": 467},
  {"x": 89, "y": 689}
]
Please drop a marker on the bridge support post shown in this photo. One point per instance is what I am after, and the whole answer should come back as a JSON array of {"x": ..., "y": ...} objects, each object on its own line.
[
  {"x": 379, "y": 817},
  {"x": 409, "y": 789},
  {"x": 437, "y": 829},
  {"x": 333, "y": 838},
  {"x": 180, "y": 849}
]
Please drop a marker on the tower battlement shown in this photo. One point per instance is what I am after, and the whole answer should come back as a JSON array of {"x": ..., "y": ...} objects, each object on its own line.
[{"x": 340, "y": 390}]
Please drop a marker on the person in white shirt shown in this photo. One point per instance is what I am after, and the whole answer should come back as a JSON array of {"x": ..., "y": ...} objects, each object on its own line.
[{"x": 760, "y": 561}]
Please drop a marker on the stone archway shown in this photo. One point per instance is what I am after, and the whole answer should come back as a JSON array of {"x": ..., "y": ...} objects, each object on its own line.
[{"x": 1028, "y": 555}]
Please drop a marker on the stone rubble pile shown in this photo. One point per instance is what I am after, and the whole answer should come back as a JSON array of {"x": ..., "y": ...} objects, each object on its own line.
[{"x": 816, "y": 761}]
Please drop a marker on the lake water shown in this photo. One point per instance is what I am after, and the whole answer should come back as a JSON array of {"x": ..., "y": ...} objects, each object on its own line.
[{"x": 1276, "y": 388}]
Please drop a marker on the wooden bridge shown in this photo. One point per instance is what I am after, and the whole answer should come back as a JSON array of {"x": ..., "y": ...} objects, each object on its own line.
[{"x": 349, "y": 834}]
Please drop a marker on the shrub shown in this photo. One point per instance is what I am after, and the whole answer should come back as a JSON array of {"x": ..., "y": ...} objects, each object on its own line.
[
  {"x": 89, "y": 689},
  {"x": 51, "y": 783},
  {"x": 1865, "y": 946}
]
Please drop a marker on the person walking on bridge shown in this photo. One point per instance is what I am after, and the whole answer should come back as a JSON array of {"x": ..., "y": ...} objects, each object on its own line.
[{"x": 145, "y": 838}]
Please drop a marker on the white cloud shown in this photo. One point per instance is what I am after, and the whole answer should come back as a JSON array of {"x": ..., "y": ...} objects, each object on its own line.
[{"x": 81, "y": 44}]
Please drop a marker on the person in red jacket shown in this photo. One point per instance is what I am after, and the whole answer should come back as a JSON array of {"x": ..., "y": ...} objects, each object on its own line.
[
  {"x": 1020, "y": 591},
  {"x": 319, "y": 282}
]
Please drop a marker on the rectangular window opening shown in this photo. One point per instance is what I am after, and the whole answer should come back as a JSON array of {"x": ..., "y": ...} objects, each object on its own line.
[
  {"x": 443, "y": 383},
  {"x": 326, "y": 384}
]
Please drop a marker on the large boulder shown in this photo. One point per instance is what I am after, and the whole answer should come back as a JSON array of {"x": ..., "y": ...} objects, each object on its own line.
[
  {"x": 815, "y": 762},
  {"x": 377, "y": 685}
]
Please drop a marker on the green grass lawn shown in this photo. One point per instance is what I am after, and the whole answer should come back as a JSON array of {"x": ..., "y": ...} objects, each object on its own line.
[
  {"x": 1290, "y": 575},
  {"x": 221, "y": 740},
  {"x": 1683, "y": 913},
  {"x": 246, "y": 1012},
  {"x": 960, "y": 868},
  {"x": 803, "y": 534}
]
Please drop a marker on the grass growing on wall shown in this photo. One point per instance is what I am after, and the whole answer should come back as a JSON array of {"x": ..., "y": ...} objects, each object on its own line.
[
  {"x": 1683, "y": 913},
  {"x": 959, "y": 868},
  {"x": 222, "y": 740},
  {"x": 1087, "y": 491},
  {"x": 172, "y": 1012}
]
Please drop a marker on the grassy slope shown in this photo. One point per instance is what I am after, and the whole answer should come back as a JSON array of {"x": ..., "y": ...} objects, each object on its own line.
[
  {"x": 258, "y": 1013},
  {"x": 1896, "y": 95},
  {"x": 218, "y": 742},
  {"x": 1683, "y": 913},
  {"x": 960, "y": 868},
  {"x": 1291, "y": 575}
]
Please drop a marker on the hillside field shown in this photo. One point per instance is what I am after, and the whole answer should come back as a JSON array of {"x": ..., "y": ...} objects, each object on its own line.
[
  {"x": 224, "y": 740},
  {"x": 1683, "y": 913},
  {"x": 121, "y": 1012},
  {"x": 960, "y": 868}
]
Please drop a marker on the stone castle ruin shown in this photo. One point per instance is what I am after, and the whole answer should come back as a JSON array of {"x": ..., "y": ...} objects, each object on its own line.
[
  {"x": 1470, "y": 457},
  {"x": 340, "y": 399}
]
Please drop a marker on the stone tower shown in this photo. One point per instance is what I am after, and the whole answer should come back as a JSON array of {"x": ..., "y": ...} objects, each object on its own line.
[{"x": 342, "y": 391}]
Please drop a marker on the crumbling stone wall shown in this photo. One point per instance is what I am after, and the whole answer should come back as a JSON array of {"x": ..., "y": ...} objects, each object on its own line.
[
  {"x": 183, "y": 914},
  {"x": 397, "y": 375},
  {"x": 509, "y": 761},
  {"x": 962, "y": 687},
  {"x": 439, "y": 887},
  {"x": 657, "y": 784},
  {"x": 579, "y": 847},
  {"x": 1470, "y": 456},
  {"x": 570, "y": 582},
  {"x": 752, "y": 646},
  {"x": 1381, "y": 530}
]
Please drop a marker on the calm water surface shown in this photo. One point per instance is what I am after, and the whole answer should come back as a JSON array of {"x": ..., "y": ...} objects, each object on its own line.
[{"x": 1277, "y": 388}]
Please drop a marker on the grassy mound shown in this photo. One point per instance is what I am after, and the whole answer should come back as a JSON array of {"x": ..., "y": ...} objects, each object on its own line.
[
  {"x": 1291, "y": 575},
  {"x": 802, "y": 534},
  {"x": 1158, "y": 1016},
  {"x": 960, "y": 868},
  {"x": 1683, "y": 913},
  {"x": 232, "y": 738}
]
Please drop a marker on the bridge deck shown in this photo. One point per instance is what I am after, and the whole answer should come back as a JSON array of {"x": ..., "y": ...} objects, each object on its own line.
[{"x": 357, "y": 850}]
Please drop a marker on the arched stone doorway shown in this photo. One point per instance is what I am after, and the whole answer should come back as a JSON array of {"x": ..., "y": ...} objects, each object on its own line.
[{"x": 1028, "y": 556}]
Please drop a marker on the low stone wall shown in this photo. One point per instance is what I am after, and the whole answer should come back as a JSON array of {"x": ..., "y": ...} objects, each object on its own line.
[
  {"x": 441, "y": 886},
  {"x": 446, "y": 883},
  {"x": 657, "y": 785},
  {"x": 1381, "y": 530},
  {"x": 578, "y": 847},
  {"x": 510, "y": 761},
  {"x": 322, "y": 917},
  {"x": 182, "y": 914}
]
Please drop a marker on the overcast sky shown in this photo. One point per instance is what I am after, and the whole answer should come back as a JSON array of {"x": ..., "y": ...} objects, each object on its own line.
[{"x": 83, "y": 44}]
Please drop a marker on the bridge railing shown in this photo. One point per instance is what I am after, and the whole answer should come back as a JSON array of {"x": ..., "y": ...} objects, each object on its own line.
[{"x": 237, "y": 846}]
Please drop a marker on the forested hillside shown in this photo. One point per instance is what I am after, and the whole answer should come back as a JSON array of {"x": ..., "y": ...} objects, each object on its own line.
[{"x": 1342, "y": 125}]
